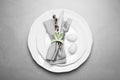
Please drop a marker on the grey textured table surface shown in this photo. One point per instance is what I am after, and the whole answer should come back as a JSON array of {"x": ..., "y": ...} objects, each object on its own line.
[{"x": 16, "y": 18}]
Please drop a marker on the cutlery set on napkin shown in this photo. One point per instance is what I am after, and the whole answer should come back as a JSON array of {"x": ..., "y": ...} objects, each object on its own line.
[{"x": 56, "y": 28}]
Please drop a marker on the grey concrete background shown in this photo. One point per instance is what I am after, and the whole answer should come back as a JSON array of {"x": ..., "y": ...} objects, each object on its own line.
[{"x": 16, "y": 17}]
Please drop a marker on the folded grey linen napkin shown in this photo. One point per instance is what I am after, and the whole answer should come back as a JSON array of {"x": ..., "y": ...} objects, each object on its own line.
[
  {"x": 50, "y": 29},
  {"x": 56, "y": 52}
]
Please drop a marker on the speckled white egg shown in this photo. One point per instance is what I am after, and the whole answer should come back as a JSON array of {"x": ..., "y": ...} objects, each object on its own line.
[
  {"x": 72, "y": 37},
  {"x": 73, "y": 48}
]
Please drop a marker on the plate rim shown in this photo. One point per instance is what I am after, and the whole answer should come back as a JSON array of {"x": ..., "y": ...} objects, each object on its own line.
[{"x": 87, "y": 51}]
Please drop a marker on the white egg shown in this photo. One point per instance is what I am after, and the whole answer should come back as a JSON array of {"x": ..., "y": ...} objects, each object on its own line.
[
  {"x": 72, "y": 37},
  {"x": 73, "y": 48}
]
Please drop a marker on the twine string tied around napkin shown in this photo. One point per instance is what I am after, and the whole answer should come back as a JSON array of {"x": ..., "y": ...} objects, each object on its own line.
[{"x": 58, "y": 38}]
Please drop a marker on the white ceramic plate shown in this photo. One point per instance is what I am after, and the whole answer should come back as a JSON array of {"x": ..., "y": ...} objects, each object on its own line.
[{"x": 38, "y": 41}]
